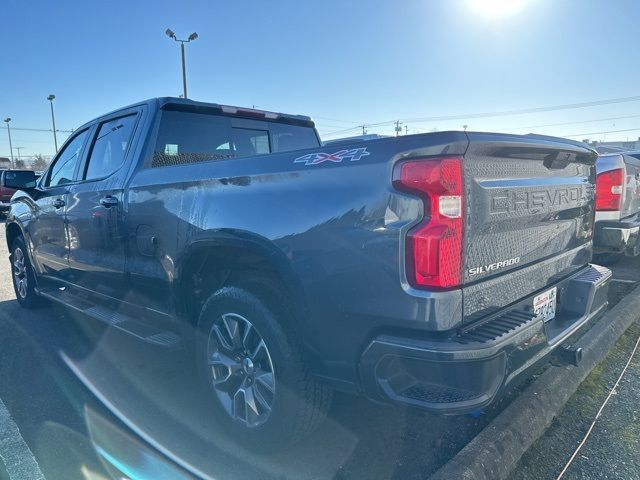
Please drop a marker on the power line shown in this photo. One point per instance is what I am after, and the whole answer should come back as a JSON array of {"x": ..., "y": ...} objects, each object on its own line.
[
  {"x": 504, "y": 113},
  {"x": 22, "y": 140},
  {"x": 347, "y": 130},
  {"x": 334, "y": 120},
  {"x": 601, "y": 133},
  {"x": 585, "y": 134},
  {"x": 571, "y": 123},
  {"x": 580, "y": 122},
  {"x": 568, "y": 106},
  {"x": 40, "y": 130},
  {"x": 330, "y": 127}
]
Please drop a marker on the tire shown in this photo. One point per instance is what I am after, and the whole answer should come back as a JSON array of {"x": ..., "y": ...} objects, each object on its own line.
[
  {"x": 288, "y": 404},
  {"x": 23, "y": 277},
  {"x": 607, "y": 259}
]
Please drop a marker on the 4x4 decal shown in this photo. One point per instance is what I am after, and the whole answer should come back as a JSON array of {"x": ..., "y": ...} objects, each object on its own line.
[{"x": 354, "y": 155}]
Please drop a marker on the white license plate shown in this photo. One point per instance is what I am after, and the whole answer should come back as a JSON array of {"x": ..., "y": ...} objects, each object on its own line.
[{"x": 545, "y": 304}]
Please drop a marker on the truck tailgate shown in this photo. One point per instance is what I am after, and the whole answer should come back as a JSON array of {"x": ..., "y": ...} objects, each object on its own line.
[
  {"x": 631, "y": 202},
  {"x": 529, "y": 217}
]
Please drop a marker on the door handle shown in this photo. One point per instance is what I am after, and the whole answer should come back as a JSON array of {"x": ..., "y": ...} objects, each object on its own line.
[
  {"x": 58, "y": 203},
  {"x": 109, "y": 201}
]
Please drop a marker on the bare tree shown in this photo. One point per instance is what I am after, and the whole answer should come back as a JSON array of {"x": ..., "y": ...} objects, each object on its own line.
[
  {"x": 39, "y": 163},
  {"x": 19, "y": 163}
]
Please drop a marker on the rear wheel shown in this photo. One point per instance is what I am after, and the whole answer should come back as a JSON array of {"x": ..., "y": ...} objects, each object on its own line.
[
  {"x": 254, "y": 371},
  {"x": 22, "y": 275}
]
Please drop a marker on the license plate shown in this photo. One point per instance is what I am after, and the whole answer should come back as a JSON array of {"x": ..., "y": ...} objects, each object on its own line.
[{"x": 545, "y": 304}]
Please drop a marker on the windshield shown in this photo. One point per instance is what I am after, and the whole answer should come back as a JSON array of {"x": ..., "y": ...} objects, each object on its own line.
[{"x": 318, "y": 240}]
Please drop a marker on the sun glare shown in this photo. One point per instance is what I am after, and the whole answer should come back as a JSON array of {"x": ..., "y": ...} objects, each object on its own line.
[{"x": 496, "y": 8}]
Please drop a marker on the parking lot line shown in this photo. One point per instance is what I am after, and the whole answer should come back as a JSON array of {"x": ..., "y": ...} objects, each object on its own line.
[{"x": 16, "y": 455}]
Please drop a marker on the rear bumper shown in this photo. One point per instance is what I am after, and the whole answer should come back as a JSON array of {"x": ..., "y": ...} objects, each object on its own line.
[
  {"x": 618, "y": 236},
  {"x": 470, "y": 369}
]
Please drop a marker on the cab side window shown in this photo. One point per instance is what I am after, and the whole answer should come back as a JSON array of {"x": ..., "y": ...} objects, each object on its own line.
[
  {"x": 65, "y": 165},
  {"x": 110, "y": 147}
]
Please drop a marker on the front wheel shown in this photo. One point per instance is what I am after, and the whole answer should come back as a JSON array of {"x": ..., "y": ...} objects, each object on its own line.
[
  {"x": 23, "y": 277},
  {"x": 254, "y": 370}
]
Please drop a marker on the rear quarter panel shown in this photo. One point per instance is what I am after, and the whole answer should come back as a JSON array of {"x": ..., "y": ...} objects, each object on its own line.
[{"x": 337, "y": 222}]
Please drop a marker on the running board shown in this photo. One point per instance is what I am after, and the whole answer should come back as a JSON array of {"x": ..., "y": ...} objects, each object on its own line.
[{"x": 121, "y": 321}]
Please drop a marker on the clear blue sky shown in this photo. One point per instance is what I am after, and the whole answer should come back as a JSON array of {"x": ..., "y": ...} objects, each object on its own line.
[{"x": 342, "y": 62}]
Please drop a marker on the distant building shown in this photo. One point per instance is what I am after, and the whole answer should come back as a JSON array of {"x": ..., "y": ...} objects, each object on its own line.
[
  {"x": 613, "y": 147},
  {"x": 5, "y": 163}
]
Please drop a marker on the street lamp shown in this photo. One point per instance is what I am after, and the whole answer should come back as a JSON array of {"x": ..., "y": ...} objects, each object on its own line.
[
  {"x": 51, "y": 98},
  {"x": 191, "y": 37},
  {"x": 7, "y": 120}
]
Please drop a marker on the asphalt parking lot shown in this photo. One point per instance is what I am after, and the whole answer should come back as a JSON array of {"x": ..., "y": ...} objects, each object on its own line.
[
  {"x": 55, "y": 366},
  {"x": 58, "y": 371}
]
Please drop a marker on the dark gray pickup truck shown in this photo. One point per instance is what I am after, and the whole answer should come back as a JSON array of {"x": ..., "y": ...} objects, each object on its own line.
[{"x": 428, "y": 270}]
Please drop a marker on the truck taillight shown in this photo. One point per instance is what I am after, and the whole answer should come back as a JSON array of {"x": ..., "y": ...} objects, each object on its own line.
[
  {"x": 609, "y": 188},
  {"x": 434, "y": 246}
]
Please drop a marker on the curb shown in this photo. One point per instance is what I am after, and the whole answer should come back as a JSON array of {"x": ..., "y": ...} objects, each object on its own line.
[{"x": 496, "y": 450}]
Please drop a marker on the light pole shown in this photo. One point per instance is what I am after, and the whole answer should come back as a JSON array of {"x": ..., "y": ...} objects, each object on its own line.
[
  {"x": 192, "y": 37},
  {"x": 51, "y": 98},
  {"x": 7, "y": 120}
]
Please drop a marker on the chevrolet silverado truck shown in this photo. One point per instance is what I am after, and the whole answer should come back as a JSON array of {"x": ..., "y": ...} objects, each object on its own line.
[
  {"x": 428, "y": 270},
  {"x": 617, "y": 207}
]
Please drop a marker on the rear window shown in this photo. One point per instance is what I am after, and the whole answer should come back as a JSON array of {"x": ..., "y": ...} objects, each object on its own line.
[{"x": 186, "y": 137}]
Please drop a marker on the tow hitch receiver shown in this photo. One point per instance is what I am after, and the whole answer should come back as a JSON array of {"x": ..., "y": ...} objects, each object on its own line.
[{"x": 569, "y": 355}]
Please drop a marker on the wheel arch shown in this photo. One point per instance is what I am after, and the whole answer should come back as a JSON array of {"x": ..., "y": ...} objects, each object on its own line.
[
  {"x": 13, "y": 230},
  {"x": 216, "y": 259}
]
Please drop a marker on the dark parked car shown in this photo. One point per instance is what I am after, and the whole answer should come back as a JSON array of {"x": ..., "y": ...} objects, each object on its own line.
[
  {"x": 427, "y": 270},
  {"x": 4, "y": 204},
  {"x": 617, "y": 206}
]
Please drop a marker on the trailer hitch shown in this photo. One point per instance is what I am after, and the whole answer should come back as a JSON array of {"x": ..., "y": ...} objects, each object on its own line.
[{"x": 569, "y": 355}]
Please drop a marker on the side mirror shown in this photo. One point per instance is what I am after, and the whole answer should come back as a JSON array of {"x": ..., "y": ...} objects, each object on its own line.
[{"x": 20, "y": 179}]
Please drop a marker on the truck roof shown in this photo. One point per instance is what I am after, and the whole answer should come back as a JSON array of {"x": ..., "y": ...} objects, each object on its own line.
[
  {"x": 175, "y": 103},
  {"x": 355, "y": 138}
]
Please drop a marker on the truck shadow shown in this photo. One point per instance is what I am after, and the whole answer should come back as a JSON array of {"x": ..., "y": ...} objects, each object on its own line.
[
  {"x": 55, "y": 365},
  {"x": 157, "y": 395}
]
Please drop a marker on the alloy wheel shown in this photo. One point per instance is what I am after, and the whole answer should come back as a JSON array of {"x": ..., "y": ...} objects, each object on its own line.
[
  {"x": 20, "y": 272},
  {"x": 241, "y": 369}
]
